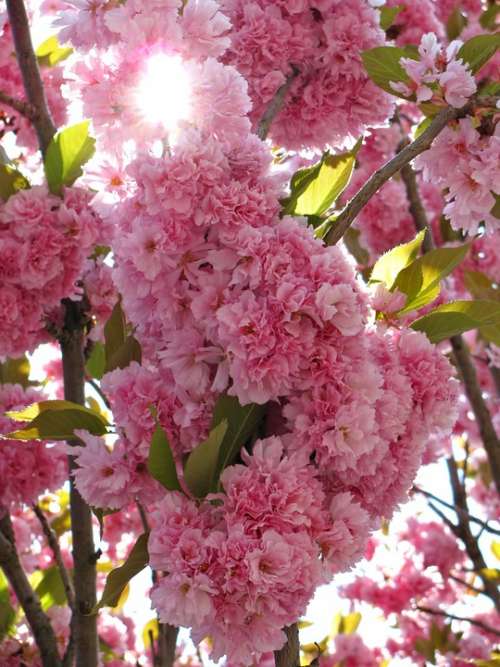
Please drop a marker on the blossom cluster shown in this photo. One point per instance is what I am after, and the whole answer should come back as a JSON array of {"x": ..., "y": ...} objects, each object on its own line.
[
  {"x": 435, "y": 75},
  {"x": 319, "y": 44},
  {"x": 226, "y": 296},
  {"x": 27, "y": 469},
  {"x": 44, "y": 243},
  {"x": 467, "y": 164}
]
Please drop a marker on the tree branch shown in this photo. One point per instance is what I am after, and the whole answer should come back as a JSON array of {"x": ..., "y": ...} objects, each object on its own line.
[
  {"x": 375, "y": 182},
  {"x": 53, "y": 543},
  {"x": 462, "y": 531},
  {"x": 453, "y": 617},
  {"x": 28, "y": 64},
  {"x": 83, "y": 624},
  {"x": 167, "y": 634},
  {"x": 484, "y": 421},
  {"x": 289, "y": 655},
  {"x": 275, "y": 105},
  {"x": 22, "y": 107},
  {"x": 417, "y": 209},
  {"x": 28, "y": 599}
]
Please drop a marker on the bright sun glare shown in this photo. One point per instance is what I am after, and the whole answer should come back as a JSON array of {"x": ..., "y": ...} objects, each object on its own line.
[{"x": 164, "y": 91}]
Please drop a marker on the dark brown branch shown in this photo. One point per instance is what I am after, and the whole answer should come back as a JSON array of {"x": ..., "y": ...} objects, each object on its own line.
[
  {"x": 382, "y": 175},
  {"x": 33, "y": 86},
  {"x": 167, "y": 634},
  {"x": 28, "y": 599},
  {"x": 53, "y": 543},
  {"x": 275, "y": 105},
  {"x": 453, "y": 617},
  {"x": 472, "y": 388},
  {"x": 417, "y": 209},
  {"x": 22, "y": 107},
  {"x": 83, "y": 624},
  {"x": 289, "y": 655},
  {"x": 463, "y": 531}
]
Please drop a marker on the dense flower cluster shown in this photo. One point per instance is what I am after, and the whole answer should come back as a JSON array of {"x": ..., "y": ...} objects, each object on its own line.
[
  {"x": 466, "y": 164},
  {"x": 44, "y": 242},
  {"x": 331, "y": 98},
  {"x": 242, "y": 570},
  {"x": 454, "y": 80},
  {"x": 27, "y": 469}
]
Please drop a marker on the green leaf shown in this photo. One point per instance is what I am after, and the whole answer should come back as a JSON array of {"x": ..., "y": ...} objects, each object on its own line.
[
  {"x": 201, "y": 465},
  {"x": 391, "y": 263},
  {"x": 56, "y": 420},
  {"x": 388, "y": 14},
  {"x": 67, "y": 152},
  {"x": 242, "y": 424},
  {"x": 161, "y": 464},
  {"x": 50, "y": 590},
  {"x": 11, "y": 181},
  {"x": 7, "y": 612},
  {"x": 454, "y": 318},
  {"x": 420, "y": 280},
  {"x": 96, "y": 363},
  {"x": 488, "y": 19},
  {"x": 120, "y": 349},
  {"x": 15, "y": 371},
  {"x": 118, "y": 578},
  {"x": 315, "y": 189},
  {"x": 421, "y": 127},
  {"x": 127, "y": 353},
  {"x": 350, "y": 623},
  {"x": 455, "y": 24},
  {"x": 480, "y": 286},
  {"x": 495, "y": 211},
  {"x": 382, "y": 65},
  {"x": 50, "y": 52},
  {"x": 490, "y": 573},
  {"x": 478, "y": 50}
]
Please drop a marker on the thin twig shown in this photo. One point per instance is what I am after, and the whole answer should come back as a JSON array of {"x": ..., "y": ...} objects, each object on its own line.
[
  {"x": 275, "y": 105},
  {"x": 99, "y": 391},
  {"x": 22, "y": 107},
  {"x": 56, "y": 551},
  {"x": 28, "y": 64},
  {"x": 463, "y": 531},
  {"x": 471, "y": 517},
  {"x": 453, "y": 617},
  {"x": 382, "y": 175},
  {"x": 479, "y": 591},
  {"x": 38, "y": 621}
]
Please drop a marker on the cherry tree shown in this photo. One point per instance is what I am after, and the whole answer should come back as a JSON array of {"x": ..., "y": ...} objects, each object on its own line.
[{"x": 254, "y": 248}]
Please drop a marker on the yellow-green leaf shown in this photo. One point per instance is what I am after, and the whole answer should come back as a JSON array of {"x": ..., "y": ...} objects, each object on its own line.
[
  {"x": 457, "y": 317},
  {"x": 391, "y": 263},
  {"x": 117, "y": 580},
  {"x": 96, "y": 363},
  {"x": 420, "y": 280},
  {"x": 15, "y": 371},
  {"x": 315, "y": 189},
  {"x": 56, "y": 420},
  {"x": 50, "y": 52},
  {"x": 67, "y": 152},
  {"x": 350, "y": 623},
  {"x": 11, "y": 181},
  {"x": 150, "y": 631},
  {"x": 495, "y": 549},
  {"x": 388, "y": 14},
  {"x": 201, "y": 465},
  {"x": 7, "y": 612},
  {"x": 50, "y": 590}
]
